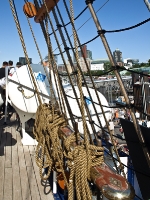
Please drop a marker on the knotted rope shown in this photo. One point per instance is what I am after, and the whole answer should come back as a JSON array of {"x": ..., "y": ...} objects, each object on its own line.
[
  {"x": 49, "y": 152},
  {"x": 78, "y": 165}
]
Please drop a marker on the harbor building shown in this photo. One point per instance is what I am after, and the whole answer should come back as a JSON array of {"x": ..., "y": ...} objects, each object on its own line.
[
  {"x": 85, "y": 53},
  {"x": 130, "y": 61},
  {"x": 98, "y": 64}
]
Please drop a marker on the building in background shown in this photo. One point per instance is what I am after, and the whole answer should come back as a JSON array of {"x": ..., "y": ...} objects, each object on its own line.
[
  {"x": 24, "y": 61},
  {"x": 83, "y": 64},
  {"x": 118, "y": 57},
  {"x": 62, "y": 68},
  {"x": 98, "y": 64},
  {"x": 84, "y": 54},
  {"x": 89, "y": 54},
  {"x": 130, "y": 61},
  {"x": 55, "y": 56}
]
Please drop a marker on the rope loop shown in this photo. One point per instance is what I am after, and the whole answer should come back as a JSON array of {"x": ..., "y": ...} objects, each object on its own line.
[
  {"x": 23, "y": 93},
  {"x": 67, "y": 48},
  {"x": 103, "y": 31},
  {"x": 77, "y": 162},
  {"x": 116, "y": 67},
  {"x": 59, "y": 25}
]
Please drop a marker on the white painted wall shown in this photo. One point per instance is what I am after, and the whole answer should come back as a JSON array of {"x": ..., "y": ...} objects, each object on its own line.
[{"x": 97, "y": 66}]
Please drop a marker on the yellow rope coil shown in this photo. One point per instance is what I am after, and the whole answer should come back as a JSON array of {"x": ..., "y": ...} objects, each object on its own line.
[
  {"x": 78, "y": 165},
  {"x": 23, "y": 93},
  {"x": 49, "y": 151}
]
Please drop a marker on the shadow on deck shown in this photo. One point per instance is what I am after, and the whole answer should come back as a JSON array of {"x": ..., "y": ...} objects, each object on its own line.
[{"x": 19, "y": 174}]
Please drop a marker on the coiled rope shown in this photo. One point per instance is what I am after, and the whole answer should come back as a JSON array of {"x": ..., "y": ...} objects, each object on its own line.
[{"x": 78, "y": 165}]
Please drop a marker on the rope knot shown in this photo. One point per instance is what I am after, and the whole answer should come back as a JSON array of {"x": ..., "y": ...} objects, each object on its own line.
[
  {"x": 67, "y": 48},
  {"x": 101, "y": 32},
  {"x": 59, "y": 25}
]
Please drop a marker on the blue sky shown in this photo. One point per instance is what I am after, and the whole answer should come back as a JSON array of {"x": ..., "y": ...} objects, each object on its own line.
[{"x": 116, "y": 14}]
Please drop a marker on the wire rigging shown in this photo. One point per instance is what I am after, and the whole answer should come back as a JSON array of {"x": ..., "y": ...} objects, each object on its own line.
[
  {"x": 112, "y": 31},
  {"x": 128, "y": 166},
  {"x": 85, "y": 23},
  {"x": 129, "y": 28},
  {"x": 74, "y": 19}
]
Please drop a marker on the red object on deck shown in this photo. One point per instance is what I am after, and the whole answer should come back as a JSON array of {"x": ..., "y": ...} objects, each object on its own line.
[{"x": 111, "y": 184}]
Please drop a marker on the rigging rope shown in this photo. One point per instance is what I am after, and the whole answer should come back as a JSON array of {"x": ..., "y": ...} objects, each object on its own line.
[
  {"x": 49, "y": 124},
  {"x": 90, "y": 77},
  {"x": 88, "y": 158},
  {"x": 24, "y": 48},
  {"x": 40, "y": 55},
  {"x": 84, "y": 24},
  {"x": 147, "y": 175},
  {"x": 68, "y": 54},
  {"x": 112, "y": 31},
  {"x": 77, "y": 62},
  {"x": 125, "y": 29},
  {"x": 74, "y": 19}
]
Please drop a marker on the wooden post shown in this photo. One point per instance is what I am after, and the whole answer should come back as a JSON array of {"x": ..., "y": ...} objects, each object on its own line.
[{"x": 113, "y": 63}]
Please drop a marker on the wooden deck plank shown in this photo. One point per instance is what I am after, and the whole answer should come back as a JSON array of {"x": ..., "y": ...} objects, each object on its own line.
[
  {"x": 25, "y": 187},
  {"x": 19, "y": 174},
  {"x": 27, "y": 156},
  {"x": 2, "y": 161},
  {"x": 15, "y": 158},
  {"x": 33, "y": 184},
  {"x": 17, "y": 192},
  {"x": 8, "y": 184},
  {"x": 44, "y": 196},
  {"x": 8, "y": 156},
  {"x": 31, "y": 174}
]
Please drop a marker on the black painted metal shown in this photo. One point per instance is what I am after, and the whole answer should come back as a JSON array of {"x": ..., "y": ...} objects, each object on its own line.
[{"x": 139, "y": 161}]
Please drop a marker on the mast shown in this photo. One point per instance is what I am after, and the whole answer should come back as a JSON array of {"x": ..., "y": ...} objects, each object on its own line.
[
  {"x": 147, "y": 4},
  {"x": 113, "y": 63}
]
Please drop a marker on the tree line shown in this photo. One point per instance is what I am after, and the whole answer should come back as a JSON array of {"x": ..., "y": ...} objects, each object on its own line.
[{"x": 108, "y": 67}]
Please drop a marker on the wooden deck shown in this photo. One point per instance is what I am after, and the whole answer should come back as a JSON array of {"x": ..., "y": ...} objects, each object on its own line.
[{"x": 19, "y": 175}]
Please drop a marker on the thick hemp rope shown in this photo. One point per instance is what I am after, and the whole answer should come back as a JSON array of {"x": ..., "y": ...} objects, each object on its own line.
[
  {"x": 42, "y": 126},
  {"x": 45, "y": 130},
  {"x": 49, "y": 151},
  {"x": 40, "y": 55},
  {"x": 77, "y": 163},
  {"x": 24, "y": 48}
]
